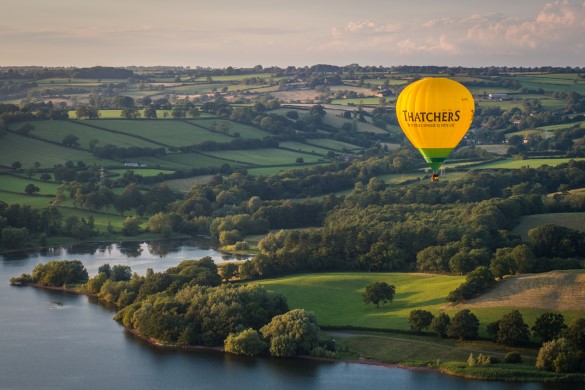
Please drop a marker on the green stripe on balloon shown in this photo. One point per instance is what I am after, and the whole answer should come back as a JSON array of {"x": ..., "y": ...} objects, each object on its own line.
[{"x": 435, "y": 156}]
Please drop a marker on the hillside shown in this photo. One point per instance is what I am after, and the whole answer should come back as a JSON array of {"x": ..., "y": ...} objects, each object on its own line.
[{"x": 555, "y": 290}]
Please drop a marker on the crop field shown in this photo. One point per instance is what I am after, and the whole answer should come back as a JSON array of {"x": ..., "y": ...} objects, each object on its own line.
[
  {"x": 333, "y": 144},
  {"x": 246, "y": 132},
  {"x": 55, "y": 131},
  {"x": 552, "y": 82},
  {"x": 269, "y": 156},
  {"x": 183, "y": 134},
  {"x": 570, "y": 220},
  {"x": 531, "y": 163},
  {"x": 15, "y": 147}
]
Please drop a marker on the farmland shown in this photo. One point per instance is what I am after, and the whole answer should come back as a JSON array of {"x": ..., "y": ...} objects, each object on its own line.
[{"x": 335, "y": 298}]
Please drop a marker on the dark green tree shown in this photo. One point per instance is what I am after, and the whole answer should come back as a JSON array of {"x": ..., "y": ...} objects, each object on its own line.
[
  {"x": 379, "y": 292},
  {"x": 31, "y": 189},
  {"x": 549, "y": 326},
  {"x": 247, "y": 342},
  {"x": 464, "y": 325},
  {"x": 510, "y": 329},
  {"x": 420, "y": 319},
  {"x": 440, "y": 324}
]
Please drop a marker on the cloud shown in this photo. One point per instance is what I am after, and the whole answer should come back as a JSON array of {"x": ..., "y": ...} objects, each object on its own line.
[{"x": 556, "y": 28}]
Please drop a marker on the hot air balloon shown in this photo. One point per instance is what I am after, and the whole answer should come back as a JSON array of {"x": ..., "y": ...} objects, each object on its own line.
[{"x": 435, "y": 114}]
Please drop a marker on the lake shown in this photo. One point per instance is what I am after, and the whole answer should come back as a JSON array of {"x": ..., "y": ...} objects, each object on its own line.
[{"x": 58, "y": 340}]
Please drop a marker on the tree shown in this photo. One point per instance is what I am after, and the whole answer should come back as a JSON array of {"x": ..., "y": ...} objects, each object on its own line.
[
  {"x": 378, "y": 292},
  {"x": 575, "y": 333},
  {"x": 70, "y": 140},
  {"x": 16, "y": 165},
  {"x": 45, "y": 176},
  {"x": 557, "y": 355},
  {"x": 297, "y": 326},
  {"x": 510, "y": 329},
  {"x": 120, "y": 272},
  {"x": 420, "y": 319},
  {"x": 229, "y": 270},
  {"x": 31, "y": 189},
  {"x": 440, "y": 324},
  {"x": 247, "y": 342},
  {"x": 130, "y": 113},
  {"x": 549, "y": 326},
  {"x": 464, "y": 326},
  {"x": 150, "y": 112},
  {"x": 131, "y": 226}
]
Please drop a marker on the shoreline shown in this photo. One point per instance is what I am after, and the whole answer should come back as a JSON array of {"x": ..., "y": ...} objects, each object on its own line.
[{"x": 367, "y": 361}]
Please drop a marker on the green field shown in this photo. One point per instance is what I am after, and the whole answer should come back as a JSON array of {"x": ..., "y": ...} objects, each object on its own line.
[
  {"x": 333, "y": 144},
  {"x": 245, "y": 131},
  {"x": 530, "y": 163},
  {"x": 297, "y": 146},
  {"x": 14, "y": 147},
  {"x": 55, "y": 131},
  {"x": 165, "y": 132},
  {"x": 18, "y": 183},
  {"x": 335, "y": 298},
  {"x": 185, "y": 161},
  {"x": 138, "y": 171},
  {"x": 570, "y": 220},
  {"x": 269, "y": 156}
]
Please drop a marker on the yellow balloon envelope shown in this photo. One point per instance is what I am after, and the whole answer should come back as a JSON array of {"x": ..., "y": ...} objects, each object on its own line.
[{"x": 435, "y": 114}]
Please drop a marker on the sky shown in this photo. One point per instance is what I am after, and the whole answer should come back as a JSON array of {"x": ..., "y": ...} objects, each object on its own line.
[{"x": 245, "y": 33}]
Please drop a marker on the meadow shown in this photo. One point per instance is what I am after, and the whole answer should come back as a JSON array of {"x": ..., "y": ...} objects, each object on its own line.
[
  {"x": 530, "y": 163},
  {"x": 336, "y": 300},
  {"x": 268, "y": 156},
  {"x": 162, "y": 132},
  {"x": 27, "y": 151},
  {"x": 55, "y": 131}
]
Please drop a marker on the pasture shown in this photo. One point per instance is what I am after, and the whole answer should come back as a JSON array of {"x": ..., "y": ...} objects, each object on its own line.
[
  {"x": 335, "y": 145},
  {"x": 185, "y": 161},
  {"x": 163, "y": 132},
  {"x": 267, "y": 157},
  {"x": 230, "y": 127},
  {"x": 55, "y": 131},
  {"x": 15, "y": 147},
  {"x": 336, "y": 300},
  {"x": 530, "y": 163},
  {"x": 18, "y": 183},
  {"x": 305, "y": 148}
]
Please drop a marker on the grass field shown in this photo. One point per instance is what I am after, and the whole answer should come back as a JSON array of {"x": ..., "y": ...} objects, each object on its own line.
[
  {"x": 18, "y": 183},
  {"x": 269, "y": 156},
  {"x": 570, "y": 220},
  {"x": 55, "y": 131},
  {"x": 297, "y": 146},
  {"x": 139, "y": 171},
  {"x": 185, "y": 161},
  {"x": 531, "y": 163},
  {"x": 335, "y": 145},
  {"x": 335, "y": 298},
  {"x": 167, "y": 132},
  {"x": 246, "y": 132},
  {"x": 15, "y": 147}
]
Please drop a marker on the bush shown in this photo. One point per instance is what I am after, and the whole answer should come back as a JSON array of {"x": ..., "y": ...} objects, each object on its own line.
[
  {"x": 513, "y": 357},
  {"x": 247, "y": 342},
  {"x": 283, "y": 346},
  {"x": 557, "y": 355},
  {"x": 420, "y": 319}
]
